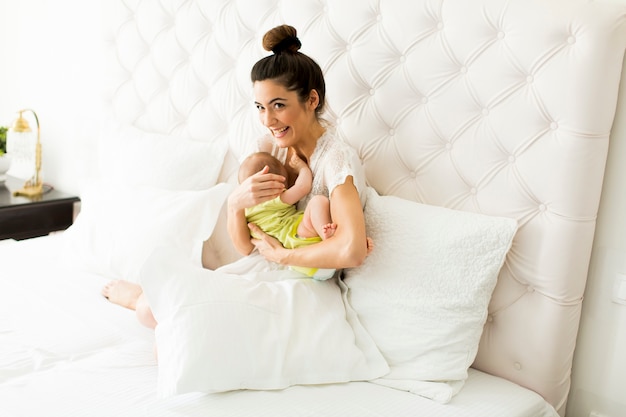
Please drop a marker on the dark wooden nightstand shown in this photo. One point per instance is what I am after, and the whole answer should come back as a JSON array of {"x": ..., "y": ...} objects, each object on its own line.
[{"x": 23, "y": 218}]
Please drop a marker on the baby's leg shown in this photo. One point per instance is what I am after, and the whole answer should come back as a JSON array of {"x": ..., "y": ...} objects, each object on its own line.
[{"x": 317, "y": 220}]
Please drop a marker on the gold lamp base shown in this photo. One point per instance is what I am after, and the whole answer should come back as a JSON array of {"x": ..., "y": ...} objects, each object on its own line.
[{"x": 29, "y": 190}]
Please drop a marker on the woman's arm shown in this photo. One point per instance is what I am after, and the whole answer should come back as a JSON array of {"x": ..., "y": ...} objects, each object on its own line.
[
  {"x": 345, "y": 249},
  {"x": 256, "y": 189},
  {"x": 238, "y": 231}
]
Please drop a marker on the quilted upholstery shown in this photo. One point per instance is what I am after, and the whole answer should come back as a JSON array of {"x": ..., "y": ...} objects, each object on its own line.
[{"x": 498, "y": 107}]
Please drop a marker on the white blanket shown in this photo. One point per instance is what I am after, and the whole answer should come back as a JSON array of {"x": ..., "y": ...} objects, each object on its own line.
[{"x": 66, "y": 351}]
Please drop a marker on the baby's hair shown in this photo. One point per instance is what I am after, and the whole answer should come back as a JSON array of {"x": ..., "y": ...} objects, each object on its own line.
[{"x": 257, "y": 161}]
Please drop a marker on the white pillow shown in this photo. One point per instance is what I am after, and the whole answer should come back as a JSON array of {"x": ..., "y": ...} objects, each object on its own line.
[
  {"x": 423, "y": 293},
  {"x": 128, "y": 155},
  {"x": 119, "y": 226},
  {"x": 265, "y": 330}
]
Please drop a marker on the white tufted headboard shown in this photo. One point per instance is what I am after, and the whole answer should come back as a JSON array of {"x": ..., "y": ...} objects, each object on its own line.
[{"x": 493, "y": 106}]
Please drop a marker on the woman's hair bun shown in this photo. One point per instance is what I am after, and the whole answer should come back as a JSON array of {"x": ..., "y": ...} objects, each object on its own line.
[{"x": 281, "y": 39}]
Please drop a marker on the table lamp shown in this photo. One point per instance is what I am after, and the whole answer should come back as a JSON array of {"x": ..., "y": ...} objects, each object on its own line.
[{"x": 20, "y": 141}]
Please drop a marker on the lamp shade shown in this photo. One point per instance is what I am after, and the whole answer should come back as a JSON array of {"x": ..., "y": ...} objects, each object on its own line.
[{"x": 22, "y": 147}]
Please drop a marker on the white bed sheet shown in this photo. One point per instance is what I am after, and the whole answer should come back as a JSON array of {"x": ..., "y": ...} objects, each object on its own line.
[{"x": 66, "y": 351}]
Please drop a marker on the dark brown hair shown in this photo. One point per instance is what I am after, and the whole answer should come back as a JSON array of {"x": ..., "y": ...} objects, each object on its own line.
[
  {"x": 291, "y": 68},
  {"x": 257, "y": 161}
]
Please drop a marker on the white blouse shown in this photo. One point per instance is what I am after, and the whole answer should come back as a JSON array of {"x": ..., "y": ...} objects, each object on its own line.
[{"x": 332, "y": 162}]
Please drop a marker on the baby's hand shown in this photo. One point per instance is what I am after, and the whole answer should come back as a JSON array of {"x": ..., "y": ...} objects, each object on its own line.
[{"x": 296, "y": 162}]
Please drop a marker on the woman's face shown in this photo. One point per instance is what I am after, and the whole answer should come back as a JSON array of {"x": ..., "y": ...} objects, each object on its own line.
[{"x": 290, "y": 121}]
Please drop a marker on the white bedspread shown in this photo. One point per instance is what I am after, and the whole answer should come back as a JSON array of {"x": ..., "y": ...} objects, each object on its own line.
[{"x": 66, "y": 351}]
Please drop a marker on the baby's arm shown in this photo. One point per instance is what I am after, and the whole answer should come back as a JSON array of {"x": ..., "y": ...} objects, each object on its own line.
[{"x": 303, "y": 183}]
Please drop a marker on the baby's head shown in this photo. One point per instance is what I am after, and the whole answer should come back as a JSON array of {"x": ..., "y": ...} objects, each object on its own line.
[{"x": 255, "y": 163}]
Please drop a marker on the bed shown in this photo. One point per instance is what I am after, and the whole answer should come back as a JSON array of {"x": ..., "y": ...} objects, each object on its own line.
[{"x": 483, "y": 127}]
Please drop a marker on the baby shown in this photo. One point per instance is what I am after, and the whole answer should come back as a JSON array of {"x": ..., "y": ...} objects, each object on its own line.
[{"x": 279, "y": 217}]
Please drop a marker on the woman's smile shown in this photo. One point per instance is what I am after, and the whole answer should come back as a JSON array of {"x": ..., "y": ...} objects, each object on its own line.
[{"x": 280, "y": 133}]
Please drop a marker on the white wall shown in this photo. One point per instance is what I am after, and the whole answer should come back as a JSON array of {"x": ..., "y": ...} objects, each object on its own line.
[{"x": 51, "y": 63}]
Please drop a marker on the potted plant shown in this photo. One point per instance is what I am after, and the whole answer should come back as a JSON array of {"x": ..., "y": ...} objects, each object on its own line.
[{"x": 5, "y": 160}]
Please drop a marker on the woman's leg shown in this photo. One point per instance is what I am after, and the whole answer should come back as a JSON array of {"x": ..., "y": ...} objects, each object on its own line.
[
  {"x": 144, "y": 312},
  {"x": 130, "y": 295}
]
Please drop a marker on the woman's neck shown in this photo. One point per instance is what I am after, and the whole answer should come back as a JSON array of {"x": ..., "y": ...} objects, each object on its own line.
[{"x": 305, "y": 148}]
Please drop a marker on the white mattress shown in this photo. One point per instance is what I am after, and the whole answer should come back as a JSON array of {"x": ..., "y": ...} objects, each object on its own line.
[{"x": 65, "y": 351}]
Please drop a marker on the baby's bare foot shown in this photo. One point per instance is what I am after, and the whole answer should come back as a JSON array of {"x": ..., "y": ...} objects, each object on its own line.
[
  {"x": 123, "y": 293},
  {"x": 328, "y": 230}
]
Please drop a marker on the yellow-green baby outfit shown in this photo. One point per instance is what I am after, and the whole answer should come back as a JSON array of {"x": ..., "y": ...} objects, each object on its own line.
[{"x": 281, "y": 220}]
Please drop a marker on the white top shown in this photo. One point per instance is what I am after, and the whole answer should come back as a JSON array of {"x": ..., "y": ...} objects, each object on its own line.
[{"x": 331, "y": 163}]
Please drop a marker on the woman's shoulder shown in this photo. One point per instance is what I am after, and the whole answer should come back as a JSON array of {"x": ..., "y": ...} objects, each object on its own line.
[
  {"x": 337, "y": 160},
  {"x": 330, "y": 143}
]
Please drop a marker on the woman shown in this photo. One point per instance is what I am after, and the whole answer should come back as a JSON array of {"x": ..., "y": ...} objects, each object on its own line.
[{"x": 289, "y": 93}]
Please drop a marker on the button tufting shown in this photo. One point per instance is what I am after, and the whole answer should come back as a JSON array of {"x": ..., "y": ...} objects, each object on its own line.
[
  {"x": 542, "y": 207},
  {"x": 463, "y": 69},
  {"x": 473, "y": 190},
  {"x": 448, "y": 146},
  {"x": 485, "y": 112},
  {"x": 348, "y": 47},
  {"x": 571, "y": 40},
  {"x": 424, "y": 100},
  {"x": 489, "y": 318},
  {"x": 371, "y": 91},
  {"x": 530, "y": 289},
  {"x": 517, "y": 366},
  {"x": 511, "y": 159},
  {"x": 530, "y": 79},
  {"x": 413, "y": 174},
  {"x": 501, "y": 35},
  {"x": 392, "y": 132},
  {"x": 554, "y": 125},
  {"x": 402, "y": 58},
  {"x": 379, "y": 17},
  {"x": 439, "y": 26}
]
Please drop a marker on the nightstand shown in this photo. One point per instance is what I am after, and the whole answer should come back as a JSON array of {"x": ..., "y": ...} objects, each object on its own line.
[{"x": 23, "y": 218}]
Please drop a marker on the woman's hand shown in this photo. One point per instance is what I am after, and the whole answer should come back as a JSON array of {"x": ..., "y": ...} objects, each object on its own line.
[
  {"x": 256, "y": 189},
  {"x": 269, "y": 247},
  {"x": 370, "y": 245}
]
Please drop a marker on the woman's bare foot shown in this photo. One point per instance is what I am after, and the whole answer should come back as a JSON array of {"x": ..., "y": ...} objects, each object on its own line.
[
  {"x": 123, "y": 293},
  {"x": 328, "y": 230}
]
